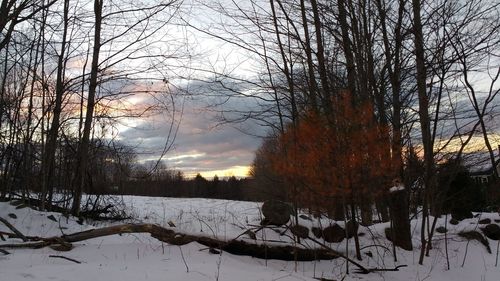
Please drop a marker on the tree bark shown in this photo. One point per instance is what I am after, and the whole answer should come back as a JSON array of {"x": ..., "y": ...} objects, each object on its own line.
[
  {"x": 423, "y": 113},
  {"x": 313, "y": 87},
  {"x": 320, "y": 55},
  {"x": 82, "y": 157},
  {"x": 400, "y": 222},
  {"x": 50, "y": 147}
]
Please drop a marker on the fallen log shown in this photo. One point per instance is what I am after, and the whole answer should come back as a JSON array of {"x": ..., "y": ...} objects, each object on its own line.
[
  {"x": 169, "y": 236},
  {"x": 234, "y": 246}
]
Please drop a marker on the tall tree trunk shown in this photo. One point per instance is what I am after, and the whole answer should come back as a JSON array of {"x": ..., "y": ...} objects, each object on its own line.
[
  {"x": 83, "y": 148},
  {"x": 50, "y": 147},
  {"x": 286, "y": 69},
  {"x": 393, "y": 63},
  {"x": 313, "y": 87},
  {"x": 423, "y": 112},
  {"x": 320, "y": 55},
  {"x": 28, "y": 156},
  {"x": 354, "y": 224},
  {"x": 346, "y": 44},
  {"x": 401, "y": 231}
]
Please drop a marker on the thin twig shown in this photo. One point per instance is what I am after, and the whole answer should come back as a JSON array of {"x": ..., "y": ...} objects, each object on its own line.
[
  {"x": 66, "y": 258},
  {"x": 219, "y": 262},
  {"x": 184, "y": 260},
  {"x": 383, "y": 269},
  {"x": 345, "y": 257},
  {"x": 446, "y": 241},
  {"x": 498, "y": 247},
  {"x": 468, "y": 242},
  {"x": 375, "y": 245}
]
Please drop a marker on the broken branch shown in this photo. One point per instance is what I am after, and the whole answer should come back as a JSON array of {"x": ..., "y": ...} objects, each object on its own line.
[{"x": 11, "y": 227}]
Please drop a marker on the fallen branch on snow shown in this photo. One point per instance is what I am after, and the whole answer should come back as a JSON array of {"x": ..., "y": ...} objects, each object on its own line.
[
  {"x": 383, "y": 269},
  {"x": 65, "y": 258},
  {"x": 237, "y": 247},
  {"x": 11, "y": 227}
]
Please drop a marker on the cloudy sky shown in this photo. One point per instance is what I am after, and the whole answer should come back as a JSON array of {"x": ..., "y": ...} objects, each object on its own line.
[{"x": 201, "y": 145}]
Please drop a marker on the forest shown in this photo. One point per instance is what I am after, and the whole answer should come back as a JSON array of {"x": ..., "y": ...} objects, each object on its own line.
[{"x": 368, "y": 111}]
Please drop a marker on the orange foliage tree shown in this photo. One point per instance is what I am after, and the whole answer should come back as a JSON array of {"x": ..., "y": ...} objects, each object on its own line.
[{"x": 339, "y": 157}]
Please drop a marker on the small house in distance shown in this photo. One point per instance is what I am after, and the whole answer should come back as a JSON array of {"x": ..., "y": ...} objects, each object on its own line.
[{"x": 480, "y": 168}]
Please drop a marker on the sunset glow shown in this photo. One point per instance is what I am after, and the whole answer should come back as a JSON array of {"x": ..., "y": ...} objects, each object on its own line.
[{"x": 237, "y": 171}]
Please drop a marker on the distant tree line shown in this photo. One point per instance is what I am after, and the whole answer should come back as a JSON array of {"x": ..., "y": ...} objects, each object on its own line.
[{"x": 231, "y": 188}]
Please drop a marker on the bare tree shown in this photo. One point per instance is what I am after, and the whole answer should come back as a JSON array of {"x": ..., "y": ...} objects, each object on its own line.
[
  {"x": 12, "y": 13},
  {"x": 53, "y": 134},
  {"x": 141, "y": 32}
]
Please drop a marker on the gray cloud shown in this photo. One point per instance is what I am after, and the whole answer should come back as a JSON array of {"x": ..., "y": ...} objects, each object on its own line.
[{"x": 200, "y": 145}]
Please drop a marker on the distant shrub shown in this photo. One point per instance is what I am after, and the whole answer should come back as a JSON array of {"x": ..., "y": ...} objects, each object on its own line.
[{"x": 458, "y": 193}]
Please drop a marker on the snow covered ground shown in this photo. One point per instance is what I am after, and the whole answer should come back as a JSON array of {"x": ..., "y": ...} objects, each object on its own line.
[{"x": 141, "y": 257}]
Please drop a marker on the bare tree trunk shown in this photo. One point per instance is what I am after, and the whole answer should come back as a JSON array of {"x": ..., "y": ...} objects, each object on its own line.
[
  {"x": 354, "y": 223},
  {"x": 423, "y": 112},
  {"x": 346, "y": 44},
  {"x": 320, "y": 55},
  {"x": 366, "y": 211},
  {"x": 399, "y": 216},
  {"x": 393, "y": 63},
  {"x": 28, "y": 156},
  {"x": 313, "y": 87},
  {"x": 287, "y": 71},
  {"x": 83, "y": 149},
  {"x": 50, "y": 148}
]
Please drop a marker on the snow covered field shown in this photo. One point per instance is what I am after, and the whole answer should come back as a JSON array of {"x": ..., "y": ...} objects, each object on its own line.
[{"x": 141, "y": 257}]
